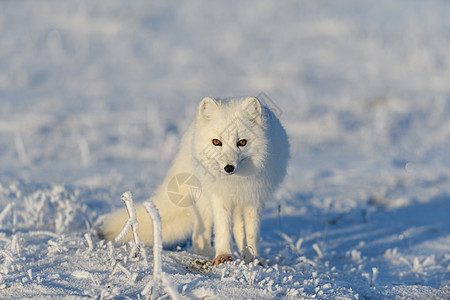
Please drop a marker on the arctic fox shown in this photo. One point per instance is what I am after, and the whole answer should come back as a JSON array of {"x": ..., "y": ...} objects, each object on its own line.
[{"x": 230, "y": 160}]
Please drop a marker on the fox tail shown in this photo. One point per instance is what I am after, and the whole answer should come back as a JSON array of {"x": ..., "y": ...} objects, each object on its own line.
[{"x": 175, "y": 227}]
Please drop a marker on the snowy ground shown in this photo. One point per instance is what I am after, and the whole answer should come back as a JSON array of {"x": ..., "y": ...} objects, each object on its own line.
[{"x": 94, "y": 97}]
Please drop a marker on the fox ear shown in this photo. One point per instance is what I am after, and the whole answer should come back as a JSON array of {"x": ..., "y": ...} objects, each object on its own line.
[
  {"x": 206, "y": 108},
  {"x": 252, "y": 108}
]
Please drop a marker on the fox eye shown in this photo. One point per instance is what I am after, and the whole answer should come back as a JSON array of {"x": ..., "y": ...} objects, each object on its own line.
[
  {"x": 216, "y": 142},
  {"x": 242, "y": 143}
]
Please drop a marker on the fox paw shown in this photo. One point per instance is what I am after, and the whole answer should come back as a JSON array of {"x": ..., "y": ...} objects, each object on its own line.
[{"x": 221, "y": 259}]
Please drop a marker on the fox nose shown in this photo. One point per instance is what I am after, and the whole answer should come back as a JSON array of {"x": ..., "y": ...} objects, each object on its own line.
[{"x": 229, "y": 168}]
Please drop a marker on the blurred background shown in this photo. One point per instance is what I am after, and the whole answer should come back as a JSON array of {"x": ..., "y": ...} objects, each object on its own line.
[{"x": 99, "y": 93}]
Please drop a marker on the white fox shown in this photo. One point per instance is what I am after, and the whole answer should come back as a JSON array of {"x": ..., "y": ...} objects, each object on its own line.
[{"x": 230, "y": 160}]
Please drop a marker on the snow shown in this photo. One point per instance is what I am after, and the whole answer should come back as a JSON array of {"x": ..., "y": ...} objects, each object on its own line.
[{"x": 94, "y": 97}]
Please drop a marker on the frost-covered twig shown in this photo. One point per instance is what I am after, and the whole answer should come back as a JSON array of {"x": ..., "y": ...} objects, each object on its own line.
[
  {"x": 157, "y": 247},
  {"x": 88, "y": 238},
  {"x": 6, "y": 211},
  {"x": 132, "y": 223},
  {"x": 157, "y": 237},
  {"x": 122, "y": 268},
  {"x": 318, "y": 250},
  {"x": 158, "y": 276},
  {"x": 112, "y": 259},
  {"x": 374, "y": 275},
  {"x": 371, "y": 279},
  {"x": 15, "y": 245}
]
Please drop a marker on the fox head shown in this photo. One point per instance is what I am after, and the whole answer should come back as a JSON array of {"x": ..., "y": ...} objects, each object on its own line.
[{"x": 230, "y": 136}]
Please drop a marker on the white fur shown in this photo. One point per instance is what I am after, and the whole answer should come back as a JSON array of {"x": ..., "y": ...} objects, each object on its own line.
[{"x": 229, "y": 202}]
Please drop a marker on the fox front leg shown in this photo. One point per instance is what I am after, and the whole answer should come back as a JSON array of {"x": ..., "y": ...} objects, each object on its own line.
[
  {"x": 222, "y": 230},
  {"x": 252, "y": 221},
  {"x": 238, "y": 229},
  {"x": 201, "y": 237}
]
